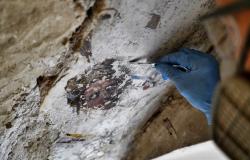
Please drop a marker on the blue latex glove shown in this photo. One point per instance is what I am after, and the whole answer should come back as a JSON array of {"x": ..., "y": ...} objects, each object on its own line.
[{"x": 198, "y": 84}]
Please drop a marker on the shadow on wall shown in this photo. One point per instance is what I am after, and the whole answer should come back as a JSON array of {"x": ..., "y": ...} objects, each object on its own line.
[{"x": 169, "y": 129}]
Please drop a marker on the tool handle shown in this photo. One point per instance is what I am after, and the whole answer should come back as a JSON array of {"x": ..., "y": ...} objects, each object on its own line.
[{"x": 178, "y": 66}]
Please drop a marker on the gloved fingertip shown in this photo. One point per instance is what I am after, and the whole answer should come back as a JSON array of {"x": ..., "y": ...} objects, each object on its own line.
[{"x": 160, "y": 68}]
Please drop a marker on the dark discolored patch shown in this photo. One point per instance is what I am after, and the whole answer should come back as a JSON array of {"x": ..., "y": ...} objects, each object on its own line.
[
  {"x": 154, "y": 21},
  {"x": 105, "y": 16},
  {"x": 8, "y": 125},
  {"x": 85, "y": 50},
  {"x": 90, "y": 12},
  {"x": 83, "y": 31},
  {"x": 64, "y": 41},
  {"x": 45, "y": 83},
  {"x": 146, "y": 85},
  {"x": 98, "y": 87}
]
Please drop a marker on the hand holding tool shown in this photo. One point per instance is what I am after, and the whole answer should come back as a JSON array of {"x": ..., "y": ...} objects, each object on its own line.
[{"x": 195, "y": 75}]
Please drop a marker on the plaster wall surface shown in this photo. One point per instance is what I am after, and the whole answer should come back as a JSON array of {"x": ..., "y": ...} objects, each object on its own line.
[{"x": 39, "y": 38}]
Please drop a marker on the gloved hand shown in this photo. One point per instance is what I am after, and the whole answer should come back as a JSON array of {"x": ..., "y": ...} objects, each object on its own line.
[{"x": 198, "y": 84}]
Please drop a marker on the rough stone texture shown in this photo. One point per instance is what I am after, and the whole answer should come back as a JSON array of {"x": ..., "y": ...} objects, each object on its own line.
[
  {"x": 31, "y": 31},
  {"x": 31, "y": 35},
  {"x": 63, "y": 39}
]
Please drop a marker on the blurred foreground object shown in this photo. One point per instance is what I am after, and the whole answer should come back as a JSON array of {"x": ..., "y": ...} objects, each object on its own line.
[
  {"x": 231, "y": 120},
  {"x": 231, "y": 125}
]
